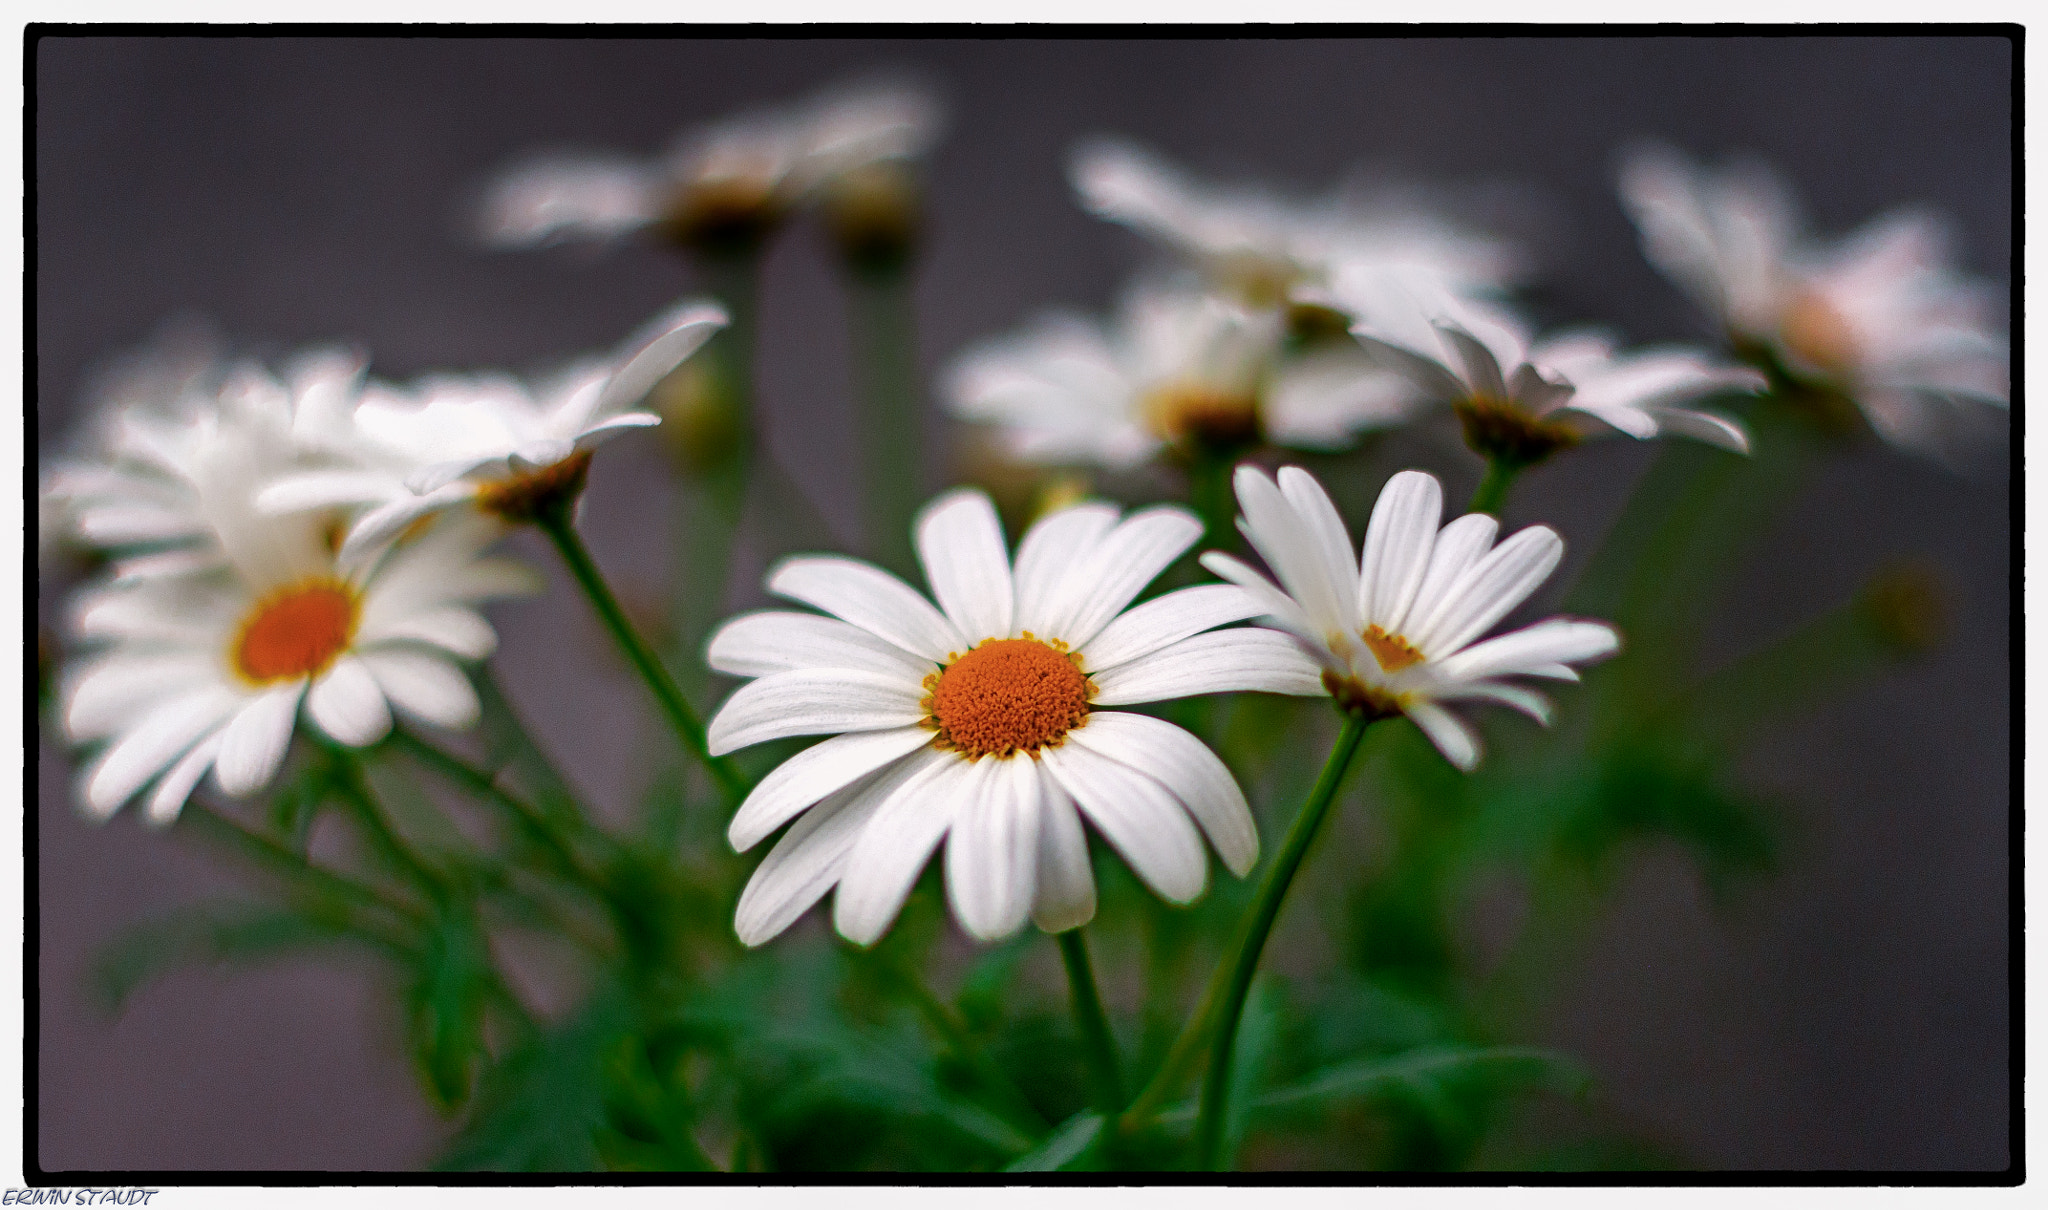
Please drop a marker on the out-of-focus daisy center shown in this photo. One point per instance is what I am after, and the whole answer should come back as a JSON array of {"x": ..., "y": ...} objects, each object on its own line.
[
  {"x": 1817, "y": 331},
  {"x": 1392, "y": 651},
  {"x": 521, "y": 496},
  {"x": 1184, "y": 412},
  {"x": 1505, "y": 429},
  {"x": 1007, "y": 696},
  {"x": 296, "y": 631}
]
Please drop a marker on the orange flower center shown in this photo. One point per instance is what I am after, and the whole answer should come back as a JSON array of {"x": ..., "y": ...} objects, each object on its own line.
[
  {"x": 1007, "y": 696},
  {"x": 1392, "y": 651},
  {"x": 296, "y": 631},
  {"x": 1816, "y": 330}
]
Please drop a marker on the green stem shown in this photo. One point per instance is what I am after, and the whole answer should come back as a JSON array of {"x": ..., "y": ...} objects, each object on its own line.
[
  {"x": 1493, "y": 489},
  {"x": 355, "y": 787},
  {"x": 883, "y": 318},
  {"x": 296, "y": 867},
  {"x": 1244, "y": 961},
  {"x": 1096, "y": 1039},
  {"x": 1210, "y": 492},
  {"x": 1017, "y": 1107},
  {"x": 525, "y": 815},
  {"x": 556, "y": 525}
]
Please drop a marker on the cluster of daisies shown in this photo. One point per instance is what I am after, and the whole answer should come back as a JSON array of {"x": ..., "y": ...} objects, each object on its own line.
[{"x": 312, "y": 543}]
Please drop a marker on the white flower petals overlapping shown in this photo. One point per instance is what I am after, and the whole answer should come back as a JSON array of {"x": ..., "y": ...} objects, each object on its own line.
[
  {"x": 1436, "y": 590},
  {"x": 873, "y": 802}
]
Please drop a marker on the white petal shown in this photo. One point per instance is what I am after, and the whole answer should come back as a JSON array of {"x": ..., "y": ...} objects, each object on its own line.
[
  {"x": 1448, "y": 732},
  {"x": 1066, "y": 883},
  {"x": 175, "y": 787},
  {"x": 454, "y": 629},
  {"x": 156, "y": 740},
  {"x": 123, "y": 685},
  {"x": 326, "y": 489},
  {"x": 1168, "y": 619},
  {"x": 1052, "y": 551},
  {"x": 1282, "y": 609},
  {"x": 1710, "y": 427},
  {"x": 871, "y": 599},
  {"x": 347, "y": 704},
  {"x": 1186, "y": 766},
  {"x": 1323, "y": 527},
  {"x": 894, "y": 846},
  {"x": 810, "y": 857},
  {"x": 780, "y": 640},
  {"x": 1557, "y": 641},
  {"x": 1126, "y": 559},
  {"x": 1294, "y": 553},
  {"x": 425, "y": 686},
  {"x": 1482, "y": 369},
  {"x": 253, "y": 743},
  {"x": 604, "y": 430},
  {"x": 385, "y": 522},
  {"x": 1248, "y": 659},
  {"x": 1528, "y": 701},
  {"x": 1398, "y": 542},
  {"x": 1489, "y": 589},
  {"x": 992, "y": 851},
  {"x": 1459, "y": 545},
  {"x": 1138, "y": 816},
  {"x": 813, "y": 702},
  {"x": 663, "y": 345},
  {"x": 960, "y": 544},
  {"x": 812, "y": 774}
]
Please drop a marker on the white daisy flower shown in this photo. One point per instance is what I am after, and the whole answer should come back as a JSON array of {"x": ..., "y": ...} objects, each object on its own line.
[
  {"x": 210, "y": 671},
  {"x": 727, "y": 184},
  {"x": 1397, "y": 630},
  {"x": 136, "y": 493},
  {"x": 981, "y": 722},
  {"x": 1523, "y": 398},
  {"x": 1181, "y": 369},
  {"x": 1264, "y": 246},
  {"x": 1882, "y": 316},
  {"x": 488, "y": 440}
]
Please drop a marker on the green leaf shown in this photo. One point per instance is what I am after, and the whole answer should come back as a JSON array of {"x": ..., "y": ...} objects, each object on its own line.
[
  {"x": 1067, "y": 1144},
  {"x": 542, "y": 1108},
  {"x": 445, "y": 1009},
  {"x": 239, "y": 933},
  {"x": 1426, "y": 1071}
]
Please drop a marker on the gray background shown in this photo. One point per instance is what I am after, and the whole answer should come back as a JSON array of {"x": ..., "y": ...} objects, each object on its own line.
[{"x": 1852, "y": 1012}]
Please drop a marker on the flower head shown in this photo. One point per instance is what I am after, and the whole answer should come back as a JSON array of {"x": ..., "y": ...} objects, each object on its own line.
[
  {"x": 1881, "y": 316},
  {"x": 1397, "y": 630},
  {"x": 1263, "y": 247},
  {"x": 724, "y": 186},
  {"x": 981, "y": 721},
  {"x": 1182, "y": 369},
  {"x": 1521, "y": 398},
  {"x": 209, "y": 669},
  {"x": 490, "y": 440}
]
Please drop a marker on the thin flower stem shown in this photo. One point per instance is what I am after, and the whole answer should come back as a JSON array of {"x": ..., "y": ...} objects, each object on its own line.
[
  {"x": 1266, "y": 906},
  {"x": 1209, "y": 491},
  {"x": 354, "y": 784},
  {"x": 1096, "y": 1039},
  {"x": 1244, "y": 960},
  {"x": 483, "y": 785},
  {"x": 556, "y": 525},
  {"x": 883, "y": 318},
  {"x": 295, "y": 866},
  {"x": 1493, "y": 489}
]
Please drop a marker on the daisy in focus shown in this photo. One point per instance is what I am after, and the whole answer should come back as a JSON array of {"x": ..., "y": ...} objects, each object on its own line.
[
  {"x": 723, "y": 188},
  {"x": 1881, "y": 317},
  {"x": 1521, "y": 399},
  {"x": 1398, "y": 629},
  {"x": 492, "y": 442},
  {"x": 1263, "y": 247},
  {"x": 980, "y": 722},
  {"x": 211, "y": 670},
  {"x": 1181, "y": 370}
]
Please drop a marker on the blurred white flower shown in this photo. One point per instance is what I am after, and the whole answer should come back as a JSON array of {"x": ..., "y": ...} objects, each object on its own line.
[
  {"x": 731, "y": 180},
  {"x": 1522, "y": 398},
  {"x": 1881, "y": 316},
  {"x": 1395, "y": 630},
  {"x": 209, "y": 670},
  {"x": 489, "y": 440},
  {"x": 980, "y": 722},
  {"x": 1263, "y": 246},
  {"x": 1181, "y": 368},
  {"x": 133, "y": 491}
]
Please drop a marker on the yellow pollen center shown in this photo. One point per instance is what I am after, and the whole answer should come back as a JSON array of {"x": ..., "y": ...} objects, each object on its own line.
[
  {"x": 1817, "y": 331},
  {"x": 1188, "y": 411},
  {"x": 296, "y": 631},
  {"x": 1392, "y": 651},
  {"x": 1007, "y": 696}
]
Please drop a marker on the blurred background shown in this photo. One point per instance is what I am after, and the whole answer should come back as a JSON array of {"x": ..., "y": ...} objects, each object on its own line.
[{"x": 1849, "y": 1011}]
